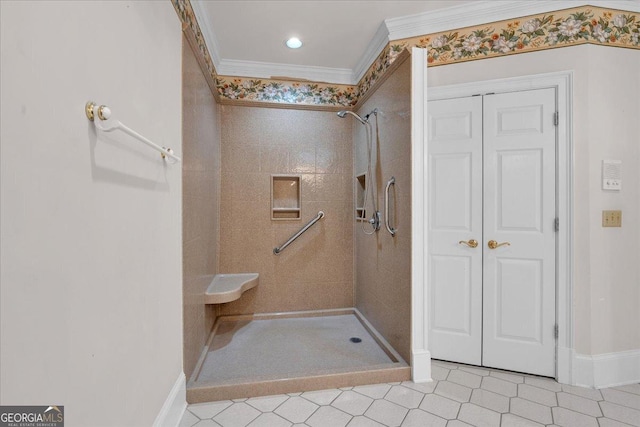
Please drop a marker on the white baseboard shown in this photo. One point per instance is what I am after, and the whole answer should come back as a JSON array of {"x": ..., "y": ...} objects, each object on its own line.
[
  {"x": 607, "y": 370},
  {"x": 173, "y": 408},
  {"x": 421, "y": 366}
]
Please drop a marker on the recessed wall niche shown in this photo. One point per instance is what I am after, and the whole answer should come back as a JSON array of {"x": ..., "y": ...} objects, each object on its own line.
[
  {"x": 360, "y": 189},
  {"x": 285, "y": 197}
]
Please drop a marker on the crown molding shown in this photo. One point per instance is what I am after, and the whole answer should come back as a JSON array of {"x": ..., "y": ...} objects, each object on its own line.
[
  {"x": 208, "y": 34},
  {"x": 483, "y": 12},
  {"x": 626, "y": 5},
  {"x": 379, "y": 41},
  {"x": 270, "y": 70}
]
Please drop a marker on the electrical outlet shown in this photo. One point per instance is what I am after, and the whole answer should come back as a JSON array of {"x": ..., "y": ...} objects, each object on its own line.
[{"x": 612, "y": 218}]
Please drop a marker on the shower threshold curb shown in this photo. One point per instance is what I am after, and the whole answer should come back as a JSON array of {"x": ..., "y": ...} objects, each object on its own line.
[{"x": 212, "y": 393}]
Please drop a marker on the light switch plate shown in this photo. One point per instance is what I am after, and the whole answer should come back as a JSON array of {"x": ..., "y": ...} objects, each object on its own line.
[
  {"x": 612, "y": 218},
  {"x": 611, "y": 175}
]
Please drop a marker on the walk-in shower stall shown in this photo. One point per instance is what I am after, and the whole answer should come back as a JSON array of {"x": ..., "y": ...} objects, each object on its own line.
[{"x": 318, "y": 205}]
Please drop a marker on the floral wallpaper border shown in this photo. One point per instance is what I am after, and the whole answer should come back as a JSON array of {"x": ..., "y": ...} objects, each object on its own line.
[
  {"x": 286, "y": 92},
  {"x": 545, "y": 31},
  {"x": 562, "y": 28},
  {"x": 190, "y": 23}
]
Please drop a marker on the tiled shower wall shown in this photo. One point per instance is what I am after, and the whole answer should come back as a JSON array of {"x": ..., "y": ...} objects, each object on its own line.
[
  {"x": 316, "y": 271},
  {"x": 200, "y": 204},
  {"x": 383, "y": 262}
]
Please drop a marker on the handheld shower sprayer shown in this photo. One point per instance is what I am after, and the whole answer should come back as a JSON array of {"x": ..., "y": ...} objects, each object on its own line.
[{"x": 375, "y": 219}]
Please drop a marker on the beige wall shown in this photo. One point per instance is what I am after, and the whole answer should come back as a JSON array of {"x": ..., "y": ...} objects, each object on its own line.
[
  {"x": 316, "y": 271},
  {"x": 606, "y": 296},
  {"x": 90, "y": 254},
  {"x": 200, "y": 204},
  {"x": 614, "y": 133},
  {"x": 383, "y": 262}
]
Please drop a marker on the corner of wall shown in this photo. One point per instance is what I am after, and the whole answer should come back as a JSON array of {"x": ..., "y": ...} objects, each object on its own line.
[{"x": 606, "y": 370}]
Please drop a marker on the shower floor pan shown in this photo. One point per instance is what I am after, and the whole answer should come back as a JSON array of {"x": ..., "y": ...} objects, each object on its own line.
[{"x": 268, "y": 354}]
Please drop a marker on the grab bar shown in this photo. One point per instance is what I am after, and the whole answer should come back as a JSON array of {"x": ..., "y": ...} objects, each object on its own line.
[
  {"x": 390, "y": 229},
  {"x": 318, "y": 217}
]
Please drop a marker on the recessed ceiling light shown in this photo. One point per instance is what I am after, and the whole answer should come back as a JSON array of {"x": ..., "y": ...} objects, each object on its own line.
[{"x": 293, "y": 43}]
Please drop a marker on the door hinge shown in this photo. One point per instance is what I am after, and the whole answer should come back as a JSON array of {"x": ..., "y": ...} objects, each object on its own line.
[
  {"x": 556, "y": 224},
  {"x": 555, "y": 331},
  {"x": 556, "y": 118}
]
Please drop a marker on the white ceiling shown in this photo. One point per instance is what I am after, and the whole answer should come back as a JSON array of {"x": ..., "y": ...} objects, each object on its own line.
[{"x": 336, "y": 34}]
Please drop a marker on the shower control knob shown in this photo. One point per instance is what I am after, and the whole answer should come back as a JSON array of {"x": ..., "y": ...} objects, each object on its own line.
[{"x": 375, "y": 220}]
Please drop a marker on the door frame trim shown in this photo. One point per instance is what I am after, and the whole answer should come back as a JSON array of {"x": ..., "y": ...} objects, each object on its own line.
[
  {"x": 563, "y": 83},
  {"x": 420, "y": 355}
]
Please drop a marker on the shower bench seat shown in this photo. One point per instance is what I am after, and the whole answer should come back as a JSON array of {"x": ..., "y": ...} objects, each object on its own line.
[{"x": 229, "y": 287}]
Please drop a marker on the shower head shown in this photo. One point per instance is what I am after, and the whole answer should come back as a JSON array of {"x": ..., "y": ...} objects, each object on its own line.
[{"x": 342, "y": 114}]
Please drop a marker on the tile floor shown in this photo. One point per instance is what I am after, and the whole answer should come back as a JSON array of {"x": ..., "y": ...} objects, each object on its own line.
[{"x": 459, "y": 396}]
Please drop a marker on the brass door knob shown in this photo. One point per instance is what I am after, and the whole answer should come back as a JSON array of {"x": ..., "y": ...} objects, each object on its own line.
[
  {"x": 473, "y": 243},
  {"x": 493, "y": 244}
]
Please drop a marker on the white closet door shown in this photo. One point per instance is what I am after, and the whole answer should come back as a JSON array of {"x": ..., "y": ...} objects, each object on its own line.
[
  {"x": 519, "y": 208},
  {"x": 455, "y": 215}
]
